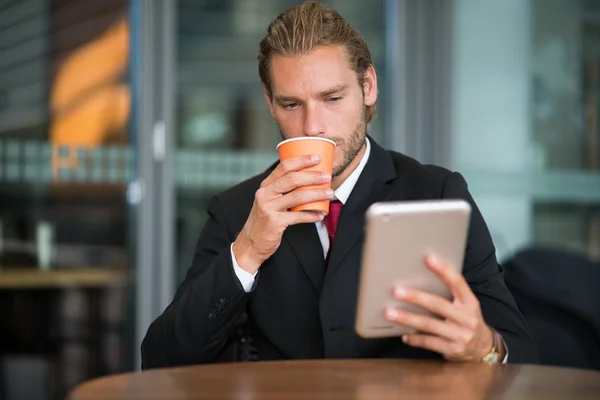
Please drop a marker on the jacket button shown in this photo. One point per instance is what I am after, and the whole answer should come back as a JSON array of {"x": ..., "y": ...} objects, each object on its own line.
[
  {"x": 212, "y": 316},
  {"x": 224, "y": 300},
  {"x": 220, "y": 307}
]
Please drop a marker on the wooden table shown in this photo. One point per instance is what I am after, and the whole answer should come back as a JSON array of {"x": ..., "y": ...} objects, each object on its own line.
[{"x": 347, "y": 379}]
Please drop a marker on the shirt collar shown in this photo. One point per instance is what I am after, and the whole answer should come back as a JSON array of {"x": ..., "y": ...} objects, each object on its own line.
[{"x": 343, "y": 191}]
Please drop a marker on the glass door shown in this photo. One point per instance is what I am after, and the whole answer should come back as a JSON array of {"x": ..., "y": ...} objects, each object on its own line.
[
  {"x": 66, "y": 161},
  {"x": 224, "y": 130}
]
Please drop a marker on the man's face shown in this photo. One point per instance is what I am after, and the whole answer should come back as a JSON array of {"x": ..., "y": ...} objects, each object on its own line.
[{"x": 319, "y": 95}]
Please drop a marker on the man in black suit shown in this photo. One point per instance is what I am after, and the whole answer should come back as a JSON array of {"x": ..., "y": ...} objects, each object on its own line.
[{"x": 295, "y": 275}]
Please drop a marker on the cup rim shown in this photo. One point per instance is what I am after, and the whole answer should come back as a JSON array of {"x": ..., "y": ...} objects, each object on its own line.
[{"x": 305, "y": 138}]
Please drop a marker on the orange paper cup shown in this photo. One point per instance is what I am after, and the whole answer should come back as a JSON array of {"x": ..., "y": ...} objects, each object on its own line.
[{"x": 302, "y": 146}]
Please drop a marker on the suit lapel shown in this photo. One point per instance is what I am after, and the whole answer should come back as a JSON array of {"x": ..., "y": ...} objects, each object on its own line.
[
  {"x": 305, "y": 243},
  {"x": 372, "y": 186}
]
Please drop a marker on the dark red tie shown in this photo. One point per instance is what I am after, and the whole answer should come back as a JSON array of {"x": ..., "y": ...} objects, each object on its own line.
[{"x": 331, "y": 222}]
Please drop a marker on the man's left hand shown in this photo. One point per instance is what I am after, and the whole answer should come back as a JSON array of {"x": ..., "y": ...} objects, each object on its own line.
[{"x": 461, "y": 334}]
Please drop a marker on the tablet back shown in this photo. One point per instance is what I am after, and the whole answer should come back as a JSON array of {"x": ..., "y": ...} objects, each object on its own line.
[{"x": 399, "y": 236}]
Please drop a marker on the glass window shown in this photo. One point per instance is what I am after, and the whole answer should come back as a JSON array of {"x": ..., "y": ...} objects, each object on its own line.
[
  {"x": 224, "y": 129},
  {"x": 65, "y": 161},
  {"x": 525, "y": 119}
]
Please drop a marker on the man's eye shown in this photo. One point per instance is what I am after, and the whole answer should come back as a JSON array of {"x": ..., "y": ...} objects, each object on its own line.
[
  {"x": 290, "y": 106},
  {"x": 335, "y": 99}
]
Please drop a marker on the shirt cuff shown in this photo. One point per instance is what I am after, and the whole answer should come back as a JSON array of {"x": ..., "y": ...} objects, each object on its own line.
[
  {"x": 506, "y": 349},
  {"x": 245, "y": 277}
]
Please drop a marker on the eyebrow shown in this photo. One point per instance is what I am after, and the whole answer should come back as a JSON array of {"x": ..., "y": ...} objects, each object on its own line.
[
  {"x": 335, "y": 89},
  {"x": 325, "y": 93}
]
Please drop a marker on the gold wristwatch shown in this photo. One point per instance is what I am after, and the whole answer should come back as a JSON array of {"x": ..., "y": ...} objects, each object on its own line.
[{"x": 493, "y": 357}]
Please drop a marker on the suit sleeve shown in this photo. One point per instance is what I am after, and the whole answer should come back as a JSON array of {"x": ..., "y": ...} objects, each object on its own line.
[
  {"x": 206, "y": 308},
  {"x": 486, "y": 278}
]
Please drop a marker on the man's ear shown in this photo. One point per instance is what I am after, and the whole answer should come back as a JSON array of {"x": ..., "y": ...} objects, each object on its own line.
[
  {"x": 370, "y": 86},
  {"x": 269, "y": 99}
]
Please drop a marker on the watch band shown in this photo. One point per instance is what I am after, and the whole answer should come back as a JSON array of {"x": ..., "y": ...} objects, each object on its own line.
[{"x": 493, "y": 357}]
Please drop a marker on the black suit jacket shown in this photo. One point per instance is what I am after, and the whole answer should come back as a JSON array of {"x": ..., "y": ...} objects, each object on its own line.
[{"x": 299, "y": 309}]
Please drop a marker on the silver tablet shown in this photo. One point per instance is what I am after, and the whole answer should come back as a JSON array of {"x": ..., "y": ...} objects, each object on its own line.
[{"x": 399, "y": 236}]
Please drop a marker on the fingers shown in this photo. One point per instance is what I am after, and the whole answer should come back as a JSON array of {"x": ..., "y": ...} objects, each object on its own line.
[
  {"x": 429, "y": 342},
  {"x": 298, "y": 197},
  {"x": 459, "y": 334},
  {"x": 454, "y": 280},
  {"x": 301, "y": 217},
  {"x": 293, "y": 180},
  {"x": 291, "y": 165},
  {"x": 435, "y": 304},
  {"x": 426, "y": 324}
]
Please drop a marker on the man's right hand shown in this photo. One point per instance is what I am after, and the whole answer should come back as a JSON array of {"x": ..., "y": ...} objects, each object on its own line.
[{"x": 261, "y": 235}]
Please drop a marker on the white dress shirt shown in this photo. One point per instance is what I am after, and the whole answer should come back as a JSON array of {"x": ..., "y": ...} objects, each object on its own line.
[{"x": 342, "y": 193}]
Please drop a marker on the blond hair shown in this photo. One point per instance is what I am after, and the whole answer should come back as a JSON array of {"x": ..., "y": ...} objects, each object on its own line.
[{"x": 302, "y": 28}]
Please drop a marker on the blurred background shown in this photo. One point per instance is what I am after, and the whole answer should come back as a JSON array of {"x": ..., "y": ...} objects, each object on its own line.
[{"x": 120, "y": 118}]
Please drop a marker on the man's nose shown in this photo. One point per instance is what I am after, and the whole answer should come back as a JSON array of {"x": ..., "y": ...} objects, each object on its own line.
[{"x": 314, "y": 121}]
